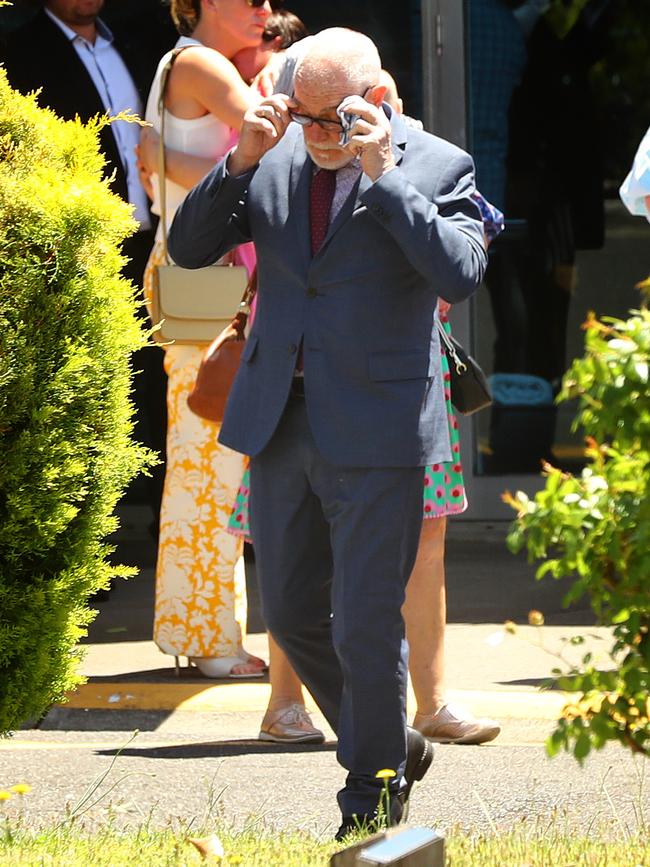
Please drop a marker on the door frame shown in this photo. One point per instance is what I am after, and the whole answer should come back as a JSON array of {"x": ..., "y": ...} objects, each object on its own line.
[{"x": 445, "y": 98}]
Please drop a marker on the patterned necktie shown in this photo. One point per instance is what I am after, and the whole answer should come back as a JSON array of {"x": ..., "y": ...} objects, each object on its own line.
[{"x": 323, "y": 184}]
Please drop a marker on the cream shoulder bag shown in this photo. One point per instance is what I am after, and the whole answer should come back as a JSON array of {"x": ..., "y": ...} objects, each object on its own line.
[{"x": 190, "y": 305}]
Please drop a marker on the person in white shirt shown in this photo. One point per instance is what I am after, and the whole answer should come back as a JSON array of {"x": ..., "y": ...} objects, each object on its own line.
[{"x": 635, "y": 189}]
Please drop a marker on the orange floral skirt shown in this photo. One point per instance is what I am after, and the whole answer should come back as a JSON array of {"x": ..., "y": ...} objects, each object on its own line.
[{"x": 200, "y": 588}]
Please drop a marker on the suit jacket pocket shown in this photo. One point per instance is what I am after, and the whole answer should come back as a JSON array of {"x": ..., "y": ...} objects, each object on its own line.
[{"x": 385, "y": 366}]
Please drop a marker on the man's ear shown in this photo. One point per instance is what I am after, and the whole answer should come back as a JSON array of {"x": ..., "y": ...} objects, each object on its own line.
[{"x": 376, "y": 94}]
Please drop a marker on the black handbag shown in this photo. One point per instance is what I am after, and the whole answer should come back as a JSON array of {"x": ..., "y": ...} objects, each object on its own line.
[{"x": 469, "y": 387}]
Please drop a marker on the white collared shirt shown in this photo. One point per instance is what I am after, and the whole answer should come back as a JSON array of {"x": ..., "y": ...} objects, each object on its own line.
[{"x": 118, "y": 93}]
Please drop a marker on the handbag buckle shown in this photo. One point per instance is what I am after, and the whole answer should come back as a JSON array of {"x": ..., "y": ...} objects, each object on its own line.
[{"x": 461, "y": 367}]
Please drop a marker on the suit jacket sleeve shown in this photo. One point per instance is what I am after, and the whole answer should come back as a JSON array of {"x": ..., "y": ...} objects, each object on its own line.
[
  {"x": 211, "y": 219},
  {"x": 443, "y": 239}
]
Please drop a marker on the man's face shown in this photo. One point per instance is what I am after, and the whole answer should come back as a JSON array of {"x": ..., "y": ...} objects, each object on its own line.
[
  {"x": 75, "y": 11},
  {"x": 321, "y": 102}
]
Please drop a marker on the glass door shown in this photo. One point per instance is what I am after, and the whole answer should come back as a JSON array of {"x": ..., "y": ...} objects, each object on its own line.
[{"x": 549, "y": 99}]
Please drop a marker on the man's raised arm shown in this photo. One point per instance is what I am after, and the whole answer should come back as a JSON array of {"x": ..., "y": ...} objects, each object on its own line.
[{"x": 212, "y": 218}]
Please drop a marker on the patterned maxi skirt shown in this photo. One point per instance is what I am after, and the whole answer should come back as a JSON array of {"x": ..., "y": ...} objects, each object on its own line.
[{"x": 200, "y": 595}]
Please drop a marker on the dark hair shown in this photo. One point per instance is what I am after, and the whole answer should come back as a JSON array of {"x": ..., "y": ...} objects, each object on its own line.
[{"x": 285, "y": 24}]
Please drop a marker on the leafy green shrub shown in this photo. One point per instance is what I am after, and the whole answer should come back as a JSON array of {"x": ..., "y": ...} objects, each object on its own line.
[
  {"x": 596, "y": 528},
  {"x": 67, "y": 328}
]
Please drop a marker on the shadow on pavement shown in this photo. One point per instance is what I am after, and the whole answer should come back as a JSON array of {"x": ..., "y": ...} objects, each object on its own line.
[{"x": 218, "y": 750}]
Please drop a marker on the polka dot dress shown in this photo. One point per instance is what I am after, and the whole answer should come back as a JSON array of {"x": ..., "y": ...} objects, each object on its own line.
[{"x": 444, "y": 488}]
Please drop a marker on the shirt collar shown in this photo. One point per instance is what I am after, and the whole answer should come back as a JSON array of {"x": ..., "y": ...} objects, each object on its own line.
[{"x": 102, "y": 29}]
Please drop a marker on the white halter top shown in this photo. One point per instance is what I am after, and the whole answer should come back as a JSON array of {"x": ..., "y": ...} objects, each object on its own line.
[{"x": 203, "y": 136}]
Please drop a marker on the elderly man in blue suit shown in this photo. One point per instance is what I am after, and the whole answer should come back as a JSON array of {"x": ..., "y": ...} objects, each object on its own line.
[{"x": 339, "y": 398}]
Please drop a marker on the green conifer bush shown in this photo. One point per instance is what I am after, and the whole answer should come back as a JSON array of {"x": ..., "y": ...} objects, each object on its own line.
[{"x": 67, "y": 327}]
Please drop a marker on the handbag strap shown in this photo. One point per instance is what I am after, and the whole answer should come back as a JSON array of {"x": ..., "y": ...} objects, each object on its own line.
[
  {"x": 249, "y": 293},
  {"x": 450, "y": 349},
  {"x": 243, "y": 312},
  {"x": 162, "y": 185}
]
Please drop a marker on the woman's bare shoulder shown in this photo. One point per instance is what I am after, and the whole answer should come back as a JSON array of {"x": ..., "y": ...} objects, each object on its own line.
[{"x": 201, "y": 62}]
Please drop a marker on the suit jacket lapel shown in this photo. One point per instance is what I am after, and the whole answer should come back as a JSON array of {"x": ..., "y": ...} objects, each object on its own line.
[{"x": 299, "y": 187}]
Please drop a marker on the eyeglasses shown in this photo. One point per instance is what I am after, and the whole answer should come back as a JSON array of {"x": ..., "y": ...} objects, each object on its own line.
[
  {"x": 257, "y": 4},
  {"x": 306, "y": 120}
]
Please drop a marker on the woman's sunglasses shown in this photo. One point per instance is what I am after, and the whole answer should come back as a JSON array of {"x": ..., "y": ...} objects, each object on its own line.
[{"x": 256, "y": 4}]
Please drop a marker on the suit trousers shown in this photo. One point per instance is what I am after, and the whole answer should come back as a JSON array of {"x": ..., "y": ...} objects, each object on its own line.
[{"x": 334, "y": 549}]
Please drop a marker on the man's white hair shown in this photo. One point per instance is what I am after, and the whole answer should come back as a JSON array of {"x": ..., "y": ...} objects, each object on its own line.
[{"x": 342, "y": 54}]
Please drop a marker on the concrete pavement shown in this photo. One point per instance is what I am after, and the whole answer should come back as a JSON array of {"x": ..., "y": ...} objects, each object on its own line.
[{"x": 495, "y": 673}]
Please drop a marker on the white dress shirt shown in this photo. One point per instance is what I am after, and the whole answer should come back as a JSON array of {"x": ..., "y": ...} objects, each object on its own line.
[
  {"x": 636, "y": 185},
  {"x": 118, "y": 93}
]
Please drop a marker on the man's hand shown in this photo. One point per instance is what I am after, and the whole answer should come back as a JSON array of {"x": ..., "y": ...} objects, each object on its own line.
[
  {"x": 263, "y": 126},
  {"x": 371, "y": 137}
]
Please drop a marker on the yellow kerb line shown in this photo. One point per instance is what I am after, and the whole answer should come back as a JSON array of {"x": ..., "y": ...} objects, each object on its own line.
[{"x": 245, "y": 697}]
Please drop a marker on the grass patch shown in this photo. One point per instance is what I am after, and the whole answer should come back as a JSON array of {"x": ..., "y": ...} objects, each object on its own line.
[{"x": 525, "y": 847}]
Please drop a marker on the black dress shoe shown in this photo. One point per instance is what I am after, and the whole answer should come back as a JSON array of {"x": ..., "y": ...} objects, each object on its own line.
[
  {"x": 370, "y": 823},
  {"x": 419, "y": 756},
  {"x": 355, "y": 825}
]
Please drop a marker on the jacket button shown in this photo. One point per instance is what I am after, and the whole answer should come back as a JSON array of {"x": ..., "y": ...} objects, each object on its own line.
[
  {"x": 311, "y": 292},
  {"x": 292, "y": 349}
]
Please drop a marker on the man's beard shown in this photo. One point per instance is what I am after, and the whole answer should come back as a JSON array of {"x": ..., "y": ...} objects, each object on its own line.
[{"x": 344, "y": 157}]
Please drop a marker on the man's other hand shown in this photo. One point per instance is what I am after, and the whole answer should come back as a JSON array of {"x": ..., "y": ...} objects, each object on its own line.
[
  {"x": 371, "y": 137},
  {"x": 263, "y": 126}
]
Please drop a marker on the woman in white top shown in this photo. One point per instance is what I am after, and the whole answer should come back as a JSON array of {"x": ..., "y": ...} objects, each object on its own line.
[{"x": 200, "y": 584}]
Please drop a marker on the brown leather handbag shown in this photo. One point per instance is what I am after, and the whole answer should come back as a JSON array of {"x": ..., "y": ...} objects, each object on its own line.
[{"x": 220, "y": 363}]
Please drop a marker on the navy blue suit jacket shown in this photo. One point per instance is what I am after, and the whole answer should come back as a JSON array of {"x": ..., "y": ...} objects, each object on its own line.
[{"x": 364, "y": 307}]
